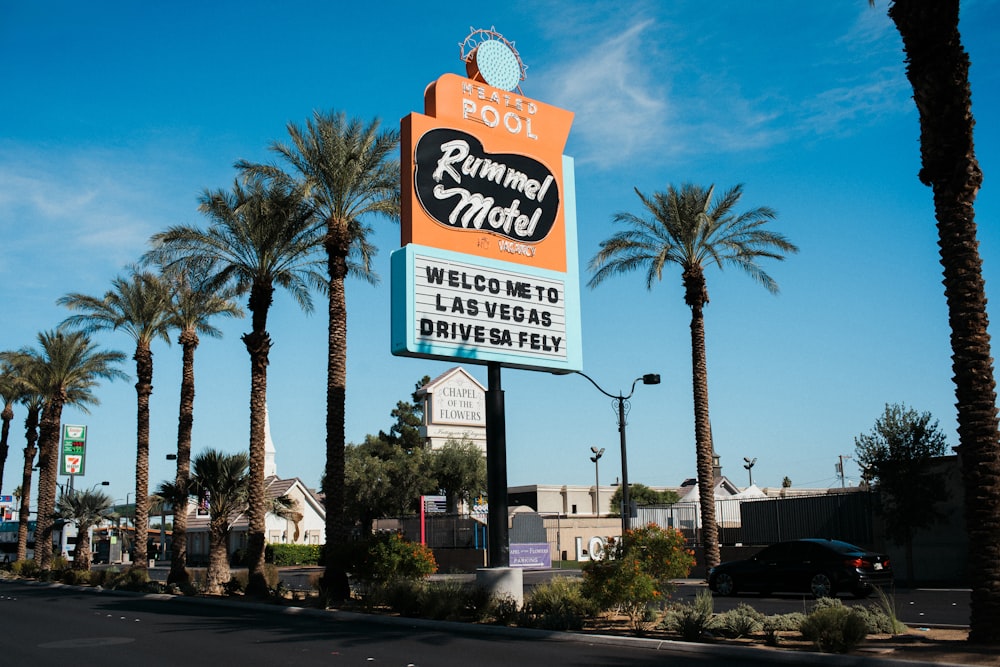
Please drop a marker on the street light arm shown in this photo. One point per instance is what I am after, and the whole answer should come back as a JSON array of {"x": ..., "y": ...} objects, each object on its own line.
[{"x": 597, "y": 386}]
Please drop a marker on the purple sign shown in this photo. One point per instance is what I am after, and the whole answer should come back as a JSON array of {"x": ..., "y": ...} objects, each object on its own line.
[{"x": 531, "y": 556}]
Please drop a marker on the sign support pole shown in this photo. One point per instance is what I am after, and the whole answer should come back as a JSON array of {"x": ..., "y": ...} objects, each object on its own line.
[{"x": 496, "y": 471}]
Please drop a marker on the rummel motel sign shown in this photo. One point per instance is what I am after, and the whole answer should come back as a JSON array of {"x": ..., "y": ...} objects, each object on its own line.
[{"x": 488, "y": 268}]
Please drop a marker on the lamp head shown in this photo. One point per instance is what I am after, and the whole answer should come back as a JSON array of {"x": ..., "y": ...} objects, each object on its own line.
[{"x": 651, "y": 378}]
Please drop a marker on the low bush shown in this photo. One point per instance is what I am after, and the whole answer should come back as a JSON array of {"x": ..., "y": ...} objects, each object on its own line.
[
  {"x": 636, "y": 572},
  {"x": 558, "y": 604},
  {"x": 774, "y": 625},
  {"x": 292, "y": 554},
  {"x": 834, "y": 629},
  {"x": 76, "y": 577},
  {"x": 740, "y": 621},
  {"x": 387, "y": 557},
  {"x": 504, "y": 610},
  {"x": 25, "y": 568},
  {"x": 691, "y": 621}
]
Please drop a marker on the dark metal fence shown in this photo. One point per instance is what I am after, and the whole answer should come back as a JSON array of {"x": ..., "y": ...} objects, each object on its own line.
[
  {"x": 440, "y": 531},
  {"x": 762, "y": 521}
]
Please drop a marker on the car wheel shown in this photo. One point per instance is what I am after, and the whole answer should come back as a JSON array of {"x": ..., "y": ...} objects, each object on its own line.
[
  {"x": 822, "y": 586},
  {"x": 725, "y": 585}
]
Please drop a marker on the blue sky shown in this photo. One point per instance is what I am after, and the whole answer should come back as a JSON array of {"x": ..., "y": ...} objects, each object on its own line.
[{"x": 116, "y": 115}]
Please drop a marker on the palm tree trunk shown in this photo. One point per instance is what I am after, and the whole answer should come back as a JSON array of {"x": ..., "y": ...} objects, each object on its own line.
[
  {"x": 47, "y": 472},
  {"x": 24, "y": 513},
  {"x": 185, "y": 423},
  {"x": 6, "y": 416},
  {"x": 82, "y": 555},
  {"x": 335, "y": 580},
  {"x": 143, "y": 389},
  {"x": 218, "y": 573},
  {"x": 258, "y": 344},
  {"x": 696, "y": 297},
  {"x": 938, "y": 70}
]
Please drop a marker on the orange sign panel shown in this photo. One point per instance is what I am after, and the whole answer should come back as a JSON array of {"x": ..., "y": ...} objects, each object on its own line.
[{"x": 482, "y": 174}]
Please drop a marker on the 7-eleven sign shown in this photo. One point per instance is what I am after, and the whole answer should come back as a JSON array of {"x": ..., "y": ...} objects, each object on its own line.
[{"x": 72, "y": 458}]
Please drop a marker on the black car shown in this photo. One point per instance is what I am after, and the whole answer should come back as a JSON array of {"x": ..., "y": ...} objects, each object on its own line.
[{"x": 820, "y": 567}]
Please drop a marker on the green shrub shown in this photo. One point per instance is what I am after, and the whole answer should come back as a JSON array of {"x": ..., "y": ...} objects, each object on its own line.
[
  {"x": 444, "y": 601},
  {"x": 558, "y": 604},
  {"x": 292, "y": 554},
  {"x": 637, "y": 572},
  {"x": 387, "y": 557},
  {"x": 505, "y": 610},
  {"x": 237, "y": 582},
  {"x": 773, "y": 625},
  {"x": 404, "y": 596},
  {"x": 76, "y": 577},
  {"x": 691, "y": 621},
  {"x": 740, "y": 621},
  {"x": 887, "y": 604},
  {"x": 834, "y": 629},
  {"x": 25, "y": 568}
]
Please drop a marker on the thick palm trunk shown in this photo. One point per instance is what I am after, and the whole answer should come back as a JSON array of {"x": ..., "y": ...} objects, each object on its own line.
[
  {"x": 218, "y": 574},
  {"x": 143, "y": 389},
  {"x": 185, "y": 423},
  {"x": 82, "y": 556},
  {"x": 696, "y": 297},
  {"x": 258, "y": 345},
  {"x": 48, "y": 459},
  {"x": 6, "y": 416},
  {"x": 337, "y": 533},
  {"x": 24, "y": 515},
  {"x": 938, "y": 70}
]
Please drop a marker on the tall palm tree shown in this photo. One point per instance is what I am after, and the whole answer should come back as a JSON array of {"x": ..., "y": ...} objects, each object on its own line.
[
  {"x": 26, "y": 368},
  {"x": 193, "y": 304},
  {"x": 260, "y": 238},
  {"x": 12, "y": 390},
  {"x": 688, "y": 228},
  {"x": 938, "y": 69},
  {"x": 139, "y": 305},
  {"x": 222, "y": 480},
  {"x": 349, "y": 170},
  {"x": 86, "y": 508},
  {"x": 65, "y": 366}
]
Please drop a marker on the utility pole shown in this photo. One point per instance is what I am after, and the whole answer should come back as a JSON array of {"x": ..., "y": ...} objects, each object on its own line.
[{"x": 840, "y": 468}]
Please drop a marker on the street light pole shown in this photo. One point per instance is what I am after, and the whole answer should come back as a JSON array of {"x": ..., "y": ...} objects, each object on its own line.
[
  {"x": 598, "y": 453},
  {"x": 749, "y": 466},
  {"x": 622, "y": 404}
]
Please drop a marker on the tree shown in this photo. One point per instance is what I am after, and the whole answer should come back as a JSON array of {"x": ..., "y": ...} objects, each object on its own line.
[
  {"x": 139, "y": 305},
  {"x": 221, "y": 481},
  {"x": 640, "y": 494},
  {"x": 260, "y": 238},
  {"x": 938, "y": 69},
  {"x": 191, "y": 307},
  {"x": 896, "y": 456},
  {"x": 12, "y": 390},
  {"x": 86, "y": 508},
  {"x": 382, "y": 480},
  {"x": 405, "y": 432},
  {"x": 691, "y": 230},
  {"x": 349, "y": 171},
  {"x": 64, "y": 368},
  {"x": 460, "y": 471},
  {"x": 28, "y": 370}
]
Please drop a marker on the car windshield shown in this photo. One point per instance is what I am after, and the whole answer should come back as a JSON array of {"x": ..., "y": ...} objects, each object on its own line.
[{"x": 841, "y": 547}]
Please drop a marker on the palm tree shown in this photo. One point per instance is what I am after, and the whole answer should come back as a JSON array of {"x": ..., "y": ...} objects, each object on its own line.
[
  {"x": 938, "y": 69},
  {"x": 193, "y": 304},
  {"x": 64, "y": 369},
  {"x": 221, "y": 480},
  {"x": 139, "y": 305},
  {"x": 260, "y": 238},
  {"x": 12, "y": 390},
  {"x": 691, "y": 230},
  {"x": 348, "y": 170},
  {"x": 86, "y": 508}
]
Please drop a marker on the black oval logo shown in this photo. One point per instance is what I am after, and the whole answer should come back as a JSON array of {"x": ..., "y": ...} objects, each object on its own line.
[{"x": 462, "y": 186}]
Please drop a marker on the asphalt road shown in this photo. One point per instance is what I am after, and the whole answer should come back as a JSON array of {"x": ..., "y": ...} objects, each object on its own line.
[{"x": 48, "y": 625}]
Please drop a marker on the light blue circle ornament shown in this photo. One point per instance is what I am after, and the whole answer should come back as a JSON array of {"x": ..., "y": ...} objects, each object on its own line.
[{"x": 498, "y": 64}]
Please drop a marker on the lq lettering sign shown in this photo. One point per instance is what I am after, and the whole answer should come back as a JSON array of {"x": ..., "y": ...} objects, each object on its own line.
[{"x": 488, "y": 269}]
